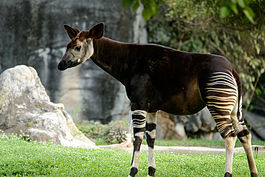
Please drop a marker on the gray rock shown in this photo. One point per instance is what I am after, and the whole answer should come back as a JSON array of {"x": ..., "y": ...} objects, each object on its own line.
[
  {"x": 193, "y": 124},
  {"x": 166, "y": 127},
  {"x": 217, "y": 136},
  {"x": 208, "y": 123},
  {"x": 180, "y": 131},
  {"x": 199, "y": 125},
  {"x": 257, "y": 125},
  {"x": 26, "y": 107}
]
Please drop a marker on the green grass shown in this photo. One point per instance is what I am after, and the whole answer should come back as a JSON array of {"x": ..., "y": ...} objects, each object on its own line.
[
  {"x": 20, "y": 158},
  {"x": 199, "y": 142}
]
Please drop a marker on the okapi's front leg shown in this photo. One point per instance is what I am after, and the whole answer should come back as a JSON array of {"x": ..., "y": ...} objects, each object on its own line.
[
  {"x": 139, "y": 123},
  {"x": 150, "y": 138}
]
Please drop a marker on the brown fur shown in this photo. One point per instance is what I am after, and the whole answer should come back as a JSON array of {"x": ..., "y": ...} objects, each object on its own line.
[{"x": 158, "y": 77}]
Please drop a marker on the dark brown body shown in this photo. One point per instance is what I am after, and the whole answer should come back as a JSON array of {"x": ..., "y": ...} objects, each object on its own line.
[{"x": 158, "y": 77}]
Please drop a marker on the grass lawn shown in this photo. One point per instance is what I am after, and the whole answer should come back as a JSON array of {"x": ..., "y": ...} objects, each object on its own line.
[{"x": 20, "y": 158}]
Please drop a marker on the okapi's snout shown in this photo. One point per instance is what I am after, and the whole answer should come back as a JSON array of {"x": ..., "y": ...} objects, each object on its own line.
[
  {"x": 63, "y": 65},
  {"x": 68, "y": 63},
  {"x": 65, "y": 62}
]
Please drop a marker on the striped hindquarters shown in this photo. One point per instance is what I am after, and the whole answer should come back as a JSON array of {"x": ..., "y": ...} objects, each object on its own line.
[{"x": 221, "y": 95}]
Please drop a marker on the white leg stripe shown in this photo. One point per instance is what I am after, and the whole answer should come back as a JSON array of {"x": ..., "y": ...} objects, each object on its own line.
[
  {"x": 139, "y": 126},
  {"x": 152, "y": 133},
  {"x": 139, "y": 112},
  {"x": 140, "y": 134},
  {"x": 229, "y": 148},
  {"x": 136, "y": 159},
  {"x": 151, "y": 157}
]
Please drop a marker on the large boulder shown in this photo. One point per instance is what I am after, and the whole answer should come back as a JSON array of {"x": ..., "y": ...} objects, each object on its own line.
[
  {"x": 26, "y": 107},
  {"x": 168, "y": 128},
  {"x": 199, "y": 125}
]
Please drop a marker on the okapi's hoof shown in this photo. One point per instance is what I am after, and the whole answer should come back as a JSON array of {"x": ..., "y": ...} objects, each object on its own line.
[
  {"x": 151, "y": 172},
  {"x": 133, "y": 171},
  {"x": 254, "y": 175},
  {"x": 227, "y": 174}
]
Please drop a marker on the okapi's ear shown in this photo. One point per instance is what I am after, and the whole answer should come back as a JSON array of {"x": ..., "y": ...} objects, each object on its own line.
[
  {"x": 72, "y": 32},
  {"x": 96, "y": 31}
]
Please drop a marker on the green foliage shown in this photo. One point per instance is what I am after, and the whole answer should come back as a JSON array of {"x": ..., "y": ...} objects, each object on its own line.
[
  {"x": 112, "y": 133},
  {"x": 237, "y": 6},
  {"x": 20, "y": 158},
  {"x": 30, "y": 124},
  {"x": 22, "y": 136},
  {"x": 150, "y": 7},
  {"x": 226, "y": 8}
]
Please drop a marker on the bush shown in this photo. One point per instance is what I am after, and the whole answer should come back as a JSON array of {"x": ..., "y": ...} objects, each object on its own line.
[
  {"x": 22, "y": 136},
  {"x": 111, "y": 133}
]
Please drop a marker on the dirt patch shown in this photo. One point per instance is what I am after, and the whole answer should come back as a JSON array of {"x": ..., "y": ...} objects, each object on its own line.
[{"x": 183, "y": 149}]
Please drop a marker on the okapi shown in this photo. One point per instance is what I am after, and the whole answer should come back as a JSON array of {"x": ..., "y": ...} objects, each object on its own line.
[{"x": 161, "y": 78}]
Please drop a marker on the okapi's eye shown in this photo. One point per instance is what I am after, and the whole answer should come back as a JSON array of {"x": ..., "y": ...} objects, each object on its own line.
[{"x": 77, "y": 48}]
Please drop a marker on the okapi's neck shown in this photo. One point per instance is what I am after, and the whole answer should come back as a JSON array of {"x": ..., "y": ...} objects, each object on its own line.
[{"x": 111, "y": 56}]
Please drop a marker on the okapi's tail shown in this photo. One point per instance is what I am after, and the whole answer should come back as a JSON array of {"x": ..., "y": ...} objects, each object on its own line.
[
  {"x": 244, "y": 131},
  {"x": 239, "y": 86}
]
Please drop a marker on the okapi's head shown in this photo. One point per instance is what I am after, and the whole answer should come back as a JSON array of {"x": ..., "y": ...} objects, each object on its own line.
[{"x": 81, "y": 47}]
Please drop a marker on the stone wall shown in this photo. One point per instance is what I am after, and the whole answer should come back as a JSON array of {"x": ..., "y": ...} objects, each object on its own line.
[{"x": 32, "y": 33}]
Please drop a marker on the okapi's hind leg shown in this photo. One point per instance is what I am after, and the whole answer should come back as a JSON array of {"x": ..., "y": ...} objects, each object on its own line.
[
  {"x": 150, "y": 134},
  {"x": 221, "y": 96},
  {"x": 245, "y": 139},
  {"x": 244, "y": 136}
]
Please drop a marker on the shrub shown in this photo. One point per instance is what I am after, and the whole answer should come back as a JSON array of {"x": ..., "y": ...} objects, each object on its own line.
[{"x": 111, "y": 133}]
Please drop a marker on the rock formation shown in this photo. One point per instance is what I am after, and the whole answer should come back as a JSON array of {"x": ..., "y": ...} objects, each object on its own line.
[
  {"x": 199, "y": 125},
  {"x": 256, "y": 124},
  {"x": 26, "y": 107}
]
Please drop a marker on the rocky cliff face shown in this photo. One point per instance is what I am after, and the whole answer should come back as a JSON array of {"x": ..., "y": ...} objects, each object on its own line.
[{"x": 32, "y": 33}]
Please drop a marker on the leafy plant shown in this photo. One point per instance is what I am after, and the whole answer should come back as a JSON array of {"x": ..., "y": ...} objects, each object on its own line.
[
  {"x": 22, "y": 136},
  {"x": 237, "y": 6},
  {"x": 245, "y": 9},
  {"x": 114, "y": 132},
  {"x": 150, "y": 7}
]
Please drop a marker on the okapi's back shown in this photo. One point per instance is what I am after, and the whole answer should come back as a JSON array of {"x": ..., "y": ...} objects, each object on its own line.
[{"x": 168, "y": 62}]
